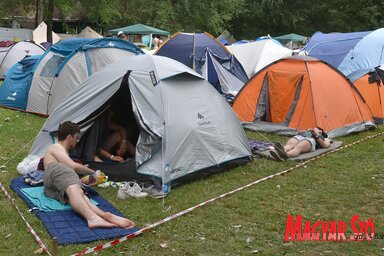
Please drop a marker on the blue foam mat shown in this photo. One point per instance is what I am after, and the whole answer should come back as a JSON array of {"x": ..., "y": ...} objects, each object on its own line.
[{"x": 69, "y": 227}]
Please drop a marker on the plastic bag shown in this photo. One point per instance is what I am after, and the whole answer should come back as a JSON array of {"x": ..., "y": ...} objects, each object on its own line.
[{"x": 29, "y": 164}]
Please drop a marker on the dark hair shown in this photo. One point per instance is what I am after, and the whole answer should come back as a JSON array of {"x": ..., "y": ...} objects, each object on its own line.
[
  {"x": 67, "y": 128},
  {"x": 323, "y": 133}
]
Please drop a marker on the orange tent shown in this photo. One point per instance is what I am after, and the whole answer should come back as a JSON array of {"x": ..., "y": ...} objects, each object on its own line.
[
  {"x": 371, "y": 88},
  {"x": 299, "y": 93}
]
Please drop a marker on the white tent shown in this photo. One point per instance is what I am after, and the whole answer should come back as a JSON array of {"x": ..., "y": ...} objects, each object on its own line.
[
  {"x": 12, "y": 54},
  {"x": 88, "y": 32},
  {"x": 183, "y": 121},
  {"x": 40, "y": 34},
  {"x": 256, "y": 55},
  {"x": 67, "y": 64}
]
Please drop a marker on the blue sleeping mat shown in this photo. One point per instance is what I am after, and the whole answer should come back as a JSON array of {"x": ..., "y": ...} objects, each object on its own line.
[{"x": 69, "y": 227}]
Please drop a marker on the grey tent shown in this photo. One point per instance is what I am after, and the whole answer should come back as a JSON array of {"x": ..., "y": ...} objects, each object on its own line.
[{"x": 181, "y": 120}]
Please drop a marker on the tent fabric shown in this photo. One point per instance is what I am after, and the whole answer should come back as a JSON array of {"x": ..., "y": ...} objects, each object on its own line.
[
  {"x": 88, "y": 32},
  {"x": 139, "y": 29},
  {"x": 67, "y": 64},
  {"x": 256, "y": 55},
  {"x": 40, "y": 34},
  {"x": 371, "y": 87},
  {"x": 15, "y": 88},
  {"x": 208, "y": 57},
  {"x": 12, "y": 54},
  {"x": 300, "y": 93},
  {"x": 354, "y": 54},
  {"x": 182, "y": 120}
]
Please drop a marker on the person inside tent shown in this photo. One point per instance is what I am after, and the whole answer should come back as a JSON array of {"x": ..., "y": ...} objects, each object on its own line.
[
  {"x": 62, "y": 183},
  {"x": 116, "y": 147},
  {"x": 122, "y": 35},
  {"x": 303, "y": 142}
]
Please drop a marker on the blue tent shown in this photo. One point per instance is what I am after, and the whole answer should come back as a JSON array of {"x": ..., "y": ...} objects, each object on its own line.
[
  {"x": 354, "y": 54},
  {"x": 208, "y": 57},
  {"x": 14, "y": 91},
  {"x": 61, "y": 69}
]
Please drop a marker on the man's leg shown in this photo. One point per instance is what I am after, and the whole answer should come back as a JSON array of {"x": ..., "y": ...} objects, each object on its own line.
[
  {"x": 79, "y": 204},
  {"x": 303, "y": 146},
  {"x": 112, "y": 218}
]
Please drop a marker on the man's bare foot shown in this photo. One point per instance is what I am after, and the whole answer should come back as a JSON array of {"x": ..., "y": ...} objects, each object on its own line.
[
  {"x": 98, "y": 222},
  {"x": 119, "y": 221}
]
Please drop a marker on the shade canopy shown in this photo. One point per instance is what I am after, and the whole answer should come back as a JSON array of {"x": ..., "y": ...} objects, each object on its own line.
[
  {"x": 139, "y": 29},
  {"x": 290, "y": 37}
]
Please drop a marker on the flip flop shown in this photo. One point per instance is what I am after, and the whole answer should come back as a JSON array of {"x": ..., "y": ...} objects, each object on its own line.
[
  {"x": 276, "y": 156},
  {"x": 280, "y": 150}
]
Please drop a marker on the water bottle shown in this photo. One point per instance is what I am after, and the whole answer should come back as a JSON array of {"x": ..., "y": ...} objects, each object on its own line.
[{"x": 166, "y": 188}]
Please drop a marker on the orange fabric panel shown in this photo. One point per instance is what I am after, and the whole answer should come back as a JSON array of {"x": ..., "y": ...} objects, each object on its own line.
[
  {"x": 282, "y": 86},
  {"x": 373, "y": 95},
  {"x": 336, "y": 103},
  {"x": 246, "y": 101},
  {"x": 303, "y": 117}
]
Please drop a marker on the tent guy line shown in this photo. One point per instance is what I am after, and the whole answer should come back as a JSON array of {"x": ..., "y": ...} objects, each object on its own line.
[
  {"x": 30, "y": 229},
  {"x": 181, "y": 213}
]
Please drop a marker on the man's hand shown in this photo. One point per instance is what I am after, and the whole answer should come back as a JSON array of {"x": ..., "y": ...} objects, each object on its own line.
[
  {"x": 117, "y": 159},
  {"x": 122, "y": 148}
]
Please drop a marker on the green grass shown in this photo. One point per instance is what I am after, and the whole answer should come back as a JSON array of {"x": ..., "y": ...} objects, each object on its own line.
[{"x": 335, "y": 187}]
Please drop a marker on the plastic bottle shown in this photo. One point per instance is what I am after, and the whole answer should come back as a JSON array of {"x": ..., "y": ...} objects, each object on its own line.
[{"x": 166, "y": 188}]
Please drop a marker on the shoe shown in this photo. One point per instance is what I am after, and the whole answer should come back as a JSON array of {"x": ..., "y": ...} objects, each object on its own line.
[
  {"x": 131, "y": 189},
  {"x": 280, "y": 150},
  {"x": 153, "y": 192},
  {"x": 276, "y": 156}
]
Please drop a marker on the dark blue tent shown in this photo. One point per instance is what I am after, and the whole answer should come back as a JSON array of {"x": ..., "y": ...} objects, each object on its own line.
[
  {"x": 15, "y": 89},
  {"x": 208, "y": 57}
]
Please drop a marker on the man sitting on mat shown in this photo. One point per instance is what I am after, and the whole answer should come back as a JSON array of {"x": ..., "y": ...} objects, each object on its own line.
[
  {"x": 303, "y": 142},
  {"x": 61, "y": 180}
]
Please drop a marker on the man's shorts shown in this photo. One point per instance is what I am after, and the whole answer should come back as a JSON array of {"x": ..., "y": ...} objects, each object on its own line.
[
  {"x": 311, "y": 140},
  {"x": 57, "y": 178}
]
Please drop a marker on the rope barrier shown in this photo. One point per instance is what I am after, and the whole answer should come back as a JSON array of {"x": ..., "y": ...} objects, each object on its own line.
[
  {"x": 30, "y": 229},
  {"x": 151, "y": 226}
]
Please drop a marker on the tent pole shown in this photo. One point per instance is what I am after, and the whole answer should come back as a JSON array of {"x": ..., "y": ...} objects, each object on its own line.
[
  {"x": 150, "y": 41},
  {"x": 193, "y": 53}
]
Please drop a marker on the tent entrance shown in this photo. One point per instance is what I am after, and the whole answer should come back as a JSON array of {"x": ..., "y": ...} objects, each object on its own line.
[{"x": 274, "y": 106}]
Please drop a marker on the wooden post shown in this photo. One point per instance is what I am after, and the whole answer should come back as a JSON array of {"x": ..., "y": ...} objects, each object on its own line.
[{"x": 54, "y": 246}]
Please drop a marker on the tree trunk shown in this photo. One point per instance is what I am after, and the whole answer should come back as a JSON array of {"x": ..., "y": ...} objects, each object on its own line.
[
  {"x": 51, "y": 5},
  {"x": 39, "y": 12}
]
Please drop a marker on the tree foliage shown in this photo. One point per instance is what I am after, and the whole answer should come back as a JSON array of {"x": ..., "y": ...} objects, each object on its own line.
[{"x": 246, "y": 19}]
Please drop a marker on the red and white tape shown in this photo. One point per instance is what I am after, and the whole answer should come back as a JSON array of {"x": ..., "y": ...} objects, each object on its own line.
[{"x": 31, "y": 230}]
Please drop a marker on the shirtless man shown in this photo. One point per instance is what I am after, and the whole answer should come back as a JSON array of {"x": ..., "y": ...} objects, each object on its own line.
[{"x": 61, "y": 180}]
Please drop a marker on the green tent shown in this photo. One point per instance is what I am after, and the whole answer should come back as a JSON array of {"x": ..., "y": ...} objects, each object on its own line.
[{"x": 140, "y": 29}]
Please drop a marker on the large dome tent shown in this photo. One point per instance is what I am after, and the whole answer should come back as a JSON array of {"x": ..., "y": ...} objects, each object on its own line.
[
  {"x": 299, "y": 93},
  {"x": 176, "y": 111}
]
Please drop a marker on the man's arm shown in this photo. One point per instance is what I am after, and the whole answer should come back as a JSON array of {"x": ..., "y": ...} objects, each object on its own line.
[{"x": 323, "y": 142}]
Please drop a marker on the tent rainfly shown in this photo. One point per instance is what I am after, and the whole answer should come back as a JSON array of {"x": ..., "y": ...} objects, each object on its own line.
[{"x": 175, "y": 110}]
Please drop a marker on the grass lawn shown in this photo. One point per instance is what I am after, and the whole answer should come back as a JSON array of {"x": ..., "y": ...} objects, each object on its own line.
[{"x": 250, "y": 222}]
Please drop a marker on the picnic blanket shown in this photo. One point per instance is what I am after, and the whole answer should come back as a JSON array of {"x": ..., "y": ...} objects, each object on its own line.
[
  {"x": 69, "y": 227},
  {"x": 335, "y": 144}
]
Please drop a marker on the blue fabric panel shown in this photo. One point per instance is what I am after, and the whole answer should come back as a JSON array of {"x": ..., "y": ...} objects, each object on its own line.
[
  {"x": 179, "y": 48},
  {"x": 111, "y": 42},
  {"x": 69, "y": 227},
  {"x": 203, "y": 41},
  {"x": 333, "y": 47},
  {"x": 15, "y": 89},
  {"x": 367, "y": 54}
]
